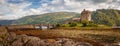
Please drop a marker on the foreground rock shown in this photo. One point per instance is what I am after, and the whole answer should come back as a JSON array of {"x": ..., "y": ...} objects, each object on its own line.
[
  {"x": 11, "y": 39},
  {"x": 25, "y": 40}
]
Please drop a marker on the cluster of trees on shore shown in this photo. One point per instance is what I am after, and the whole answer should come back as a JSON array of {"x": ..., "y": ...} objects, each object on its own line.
[
  {"x": 109, "y": 17},
  {"x": 79, "y": 24}
]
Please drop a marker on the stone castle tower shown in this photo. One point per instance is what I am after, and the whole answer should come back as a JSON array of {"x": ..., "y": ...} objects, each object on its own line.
[{"x": 85, "y": 15}]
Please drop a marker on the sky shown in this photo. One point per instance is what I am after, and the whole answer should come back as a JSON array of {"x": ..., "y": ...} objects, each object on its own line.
[{"x": 15, "y": 9}]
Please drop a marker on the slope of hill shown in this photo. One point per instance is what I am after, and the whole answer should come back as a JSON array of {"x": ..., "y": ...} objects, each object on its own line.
[
  {"x": 49, "y": 18},
  {"x": 110, "y": 17}
]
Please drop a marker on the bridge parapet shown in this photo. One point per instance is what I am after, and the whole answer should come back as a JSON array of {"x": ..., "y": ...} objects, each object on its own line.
[{"x": 31, "y": 26}]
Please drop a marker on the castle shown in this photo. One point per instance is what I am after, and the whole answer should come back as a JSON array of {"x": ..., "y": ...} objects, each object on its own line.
[{"x": 85, "y": 16}]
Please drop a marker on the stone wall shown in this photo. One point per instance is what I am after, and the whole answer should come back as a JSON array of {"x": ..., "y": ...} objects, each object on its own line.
[
  {"x": 20, "y": 26},
  {"x": 30, "y": 27}
]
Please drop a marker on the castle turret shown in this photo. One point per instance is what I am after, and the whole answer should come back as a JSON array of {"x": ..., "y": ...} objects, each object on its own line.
[{"x": 85, "y": 15}]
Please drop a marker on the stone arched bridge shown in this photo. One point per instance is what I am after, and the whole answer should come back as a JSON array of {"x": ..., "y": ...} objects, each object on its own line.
[{"x": 31, "y": 26}]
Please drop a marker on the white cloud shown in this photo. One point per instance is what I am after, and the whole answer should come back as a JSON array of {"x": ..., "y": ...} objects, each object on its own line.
[
  {"x": 0, "y": 17},
  {"x": 2, "y": 1},
  {"x": 15, "y": 11}
]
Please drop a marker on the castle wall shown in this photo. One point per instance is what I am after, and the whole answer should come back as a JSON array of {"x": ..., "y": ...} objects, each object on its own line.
[{"x": 85, "y": 15}]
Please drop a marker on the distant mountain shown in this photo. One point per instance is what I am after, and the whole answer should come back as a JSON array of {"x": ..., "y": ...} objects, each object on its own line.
[
  {"x": 6, "y": 22},
  {"x": 49, "y": 18},
  {"x": 110, "y": 17}
]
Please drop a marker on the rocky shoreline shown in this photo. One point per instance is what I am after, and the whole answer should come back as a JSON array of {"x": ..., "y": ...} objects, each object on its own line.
[
  {"x": 23, "y": 40},
  {"x": 12, "y": 39}
]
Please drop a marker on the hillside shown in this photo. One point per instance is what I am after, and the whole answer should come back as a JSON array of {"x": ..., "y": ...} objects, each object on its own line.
[
  {"x": 49, "y": 18},
  {"x": 108, "y": 17}
]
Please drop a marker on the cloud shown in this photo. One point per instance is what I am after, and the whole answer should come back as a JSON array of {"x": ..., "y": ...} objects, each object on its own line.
[
  {"x": 99, "y": 1},
  {"x": 13, "y": 9},
  {"x": 92, "y": 1},
  {"x": 2, "y": 1}
]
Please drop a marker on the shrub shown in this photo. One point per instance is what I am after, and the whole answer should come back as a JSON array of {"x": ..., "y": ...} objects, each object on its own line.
[
  {"x": 58, "y": 25},
  {"x": 73, "y": 24}
]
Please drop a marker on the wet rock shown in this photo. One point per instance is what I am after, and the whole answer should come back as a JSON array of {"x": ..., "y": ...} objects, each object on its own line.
[
  {"x": 33, "y": 41},
  {"x": 24, "y": 40},
  {"x": 3, "y": 33},
  {"x": 83, "y": 44},
  {"x": 17, "y": 43},
  {"x": 115, "y": 44},
  {"x": 10, "y": 36}
]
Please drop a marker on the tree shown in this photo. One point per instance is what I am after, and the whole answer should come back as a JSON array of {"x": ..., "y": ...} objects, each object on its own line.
[
  {"x": 58, "y": 25},
  {"x": 73, "y": 24},
  {"x": 84, "y": 23}
]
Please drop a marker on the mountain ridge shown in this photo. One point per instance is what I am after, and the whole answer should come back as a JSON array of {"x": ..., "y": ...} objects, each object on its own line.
[
  {"x": 48, "y": 18},
  {"x": 110, "y": 17}
]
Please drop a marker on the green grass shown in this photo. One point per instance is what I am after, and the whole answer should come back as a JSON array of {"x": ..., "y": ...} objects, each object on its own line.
[{"x": 85, "y": 28}]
